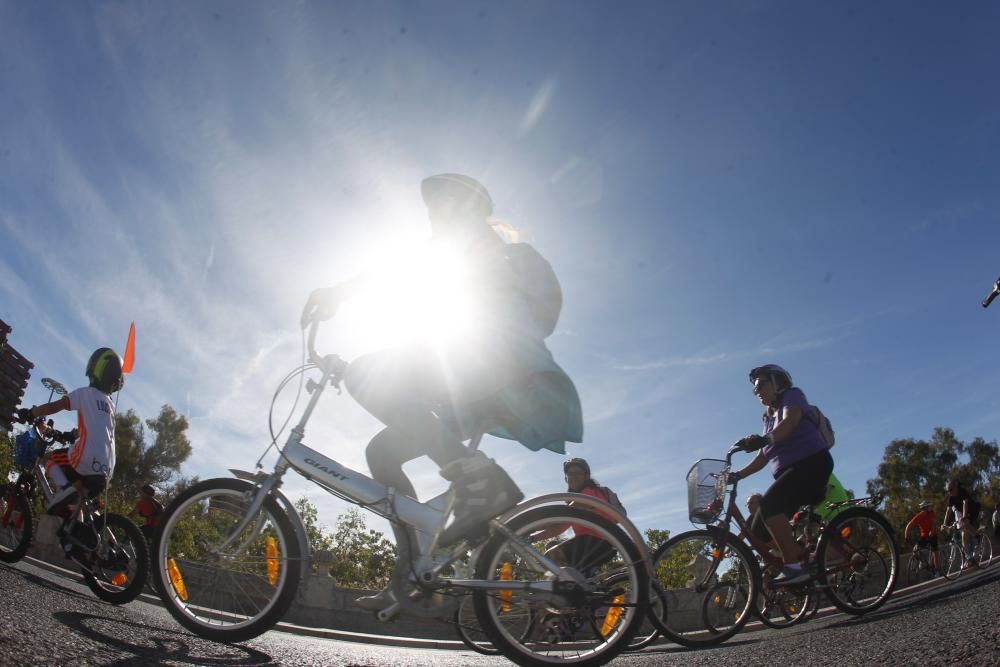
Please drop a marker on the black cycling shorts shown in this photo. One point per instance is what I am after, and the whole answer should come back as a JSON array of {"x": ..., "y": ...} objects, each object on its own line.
[
  {"x": 801, "y": 483},
  {"x": 931, "y": 541},
  {"x": 93, "y": 485}
]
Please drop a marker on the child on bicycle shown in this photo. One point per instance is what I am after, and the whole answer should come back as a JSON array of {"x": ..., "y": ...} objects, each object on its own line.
[
  {"x": 927, "y": 533},
  {"x": 500, "y": 374},
  {"x": 800, "y": 462},
  {"x": 88, "y": 463}
]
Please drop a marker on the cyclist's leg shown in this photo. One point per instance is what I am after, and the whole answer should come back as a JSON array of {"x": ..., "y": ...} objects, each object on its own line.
[{"x": 799, "y": 484}]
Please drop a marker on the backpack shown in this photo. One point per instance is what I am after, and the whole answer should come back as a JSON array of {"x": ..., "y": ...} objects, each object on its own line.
[
  {"x": 537, "y": 283},
  {"x": 824, "y": 426},
  {"x": 613, "y": 499}
]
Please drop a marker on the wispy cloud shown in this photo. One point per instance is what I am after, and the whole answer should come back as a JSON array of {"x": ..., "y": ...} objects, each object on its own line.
[{"x": 673, "y": 363}]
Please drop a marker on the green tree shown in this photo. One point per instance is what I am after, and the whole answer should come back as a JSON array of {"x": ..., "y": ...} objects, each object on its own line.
[
  {"x": 913, "y": 470},
  {"x": 362, "y": 557},
  {"x": 140, "y": 462},
  {"x": 319, "y": 541},
  {"x": 655, "y": 537}
]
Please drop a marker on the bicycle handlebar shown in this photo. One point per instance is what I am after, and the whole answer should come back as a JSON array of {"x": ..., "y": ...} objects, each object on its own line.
[
  {"x": 993, "y": 294},
  {"x": 330, "y": 363}
]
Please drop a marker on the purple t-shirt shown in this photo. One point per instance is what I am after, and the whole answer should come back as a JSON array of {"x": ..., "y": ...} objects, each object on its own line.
[{"x": 805, "y": 439}]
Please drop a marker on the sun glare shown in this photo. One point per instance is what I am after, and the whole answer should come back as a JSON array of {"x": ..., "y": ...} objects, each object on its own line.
[{"x": 419, "y": 294}]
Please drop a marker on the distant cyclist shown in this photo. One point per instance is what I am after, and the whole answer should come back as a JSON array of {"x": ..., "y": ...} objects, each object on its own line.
[
  {"x": 800, "y": 462},
  {"x": 150, "y": 509},
  {"x": 965, "y": 507},
  {"x": 90, "y": 461},
  {"x": 500, "y": 373},
  {"x": 927, "y": 534},
  {"x": 586, "y": 548}
]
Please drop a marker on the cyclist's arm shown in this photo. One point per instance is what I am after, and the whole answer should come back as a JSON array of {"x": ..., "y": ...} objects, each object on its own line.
[
  {"x": 51, "y": 408},
  {"x": 906, "y": 531},
  {"x": 758, "y": 462},
  {"x": 791, "y": 415}
]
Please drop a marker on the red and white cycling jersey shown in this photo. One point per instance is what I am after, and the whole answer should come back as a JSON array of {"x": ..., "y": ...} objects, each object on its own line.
[{"x": 94, "y": 451}]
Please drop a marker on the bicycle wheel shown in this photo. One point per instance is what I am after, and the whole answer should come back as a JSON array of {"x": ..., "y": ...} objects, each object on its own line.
[
  {"x": 784, "y": 607},
  {"x": 16, "y": 526},
  {"x": 982, "y": 555},
  {"x": 122, "y": 562},
  {"x": 469, "y": 630},
  {"x": 723, "y": 605},
  {"x": 648, "y": 631},
  {"x": 858, "y": 560},
  {"x": 952, "y": 559},
  {"x": 688, "y": 567},
  {"x": 584, "y": 622},
  {"x": 220, "y": 584}
]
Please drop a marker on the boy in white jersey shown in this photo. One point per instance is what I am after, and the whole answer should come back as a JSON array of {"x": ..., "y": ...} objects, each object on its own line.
[{"x": 89, "y": 462}]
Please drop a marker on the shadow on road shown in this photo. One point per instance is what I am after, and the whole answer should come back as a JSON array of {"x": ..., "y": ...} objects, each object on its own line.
[{"x": 158, "y": 645}]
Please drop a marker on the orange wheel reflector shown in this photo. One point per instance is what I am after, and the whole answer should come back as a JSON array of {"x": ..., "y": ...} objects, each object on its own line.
[
  {"x": 716, "y": 553},
  {"x": 119, "y": 579},
  {"x": 506, "y": 574},
  {"x": 614, "y": 613},
  {"x": 176, "y": 580},
  {"x": 717, "y": 600},
  {"x": 272, "y": 560},
  {"x": 845, "y": 532}
]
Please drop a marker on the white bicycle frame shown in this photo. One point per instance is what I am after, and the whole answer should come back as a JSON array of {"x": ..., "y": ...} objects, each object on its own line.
[{"x": 428, "y": 518}]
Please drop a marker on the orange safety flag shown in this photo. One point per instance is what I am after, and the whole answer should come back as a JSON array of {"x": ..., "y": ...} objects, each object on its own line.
[{"x": 129, "y": 360}]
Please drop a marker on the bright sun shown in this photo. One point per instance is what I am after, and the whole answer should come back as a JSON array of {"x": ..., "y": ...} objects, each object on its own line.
[{"x": 419, "y": 294}]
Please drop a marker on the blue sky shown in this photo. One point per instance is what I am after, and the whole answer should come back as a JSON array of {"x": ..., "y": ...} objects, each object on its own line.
[{"x": 718, "y": 185}]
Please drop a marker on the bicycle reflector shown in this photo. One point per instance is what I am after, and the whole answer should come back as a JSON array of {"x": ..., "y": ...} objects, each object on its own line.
[
  {"x": 845, "y": 532},
  {"x": 176, "y": 580},
  {"x": 506, "y": 574},
  {"x": 272, "y": 560},
  {"x": 614, "y": 613},
  {"x": 119, "y": 579}
]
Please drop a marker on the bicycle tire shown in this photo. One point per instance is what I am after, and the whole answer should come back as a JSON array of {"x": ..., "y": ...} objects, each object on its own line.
[
  {"x": 983, "y": 553},
  {"x": 866, "y": 541},
  {"x": 129, "y": 556},
  {"x": 953, "y": 560},
  {"x": 469, "y": 630},
  {"x": 191, "y": 577},
  {"x": 649, "y": 632},
  {"x": 15, "y": 537},
  {"x": 784, "y": 607},
  {"x": 561, "y": 632},
  {"x": 674, "y": 566}
]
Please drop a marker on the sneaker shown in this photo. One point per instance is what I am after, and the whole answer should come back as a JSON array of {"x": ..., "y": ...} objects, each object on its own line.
[
  {"x": 791, "y": 574},
  {"x": 376, "y": 602},
  {"x": 483, "y": 490},
  {"x": 59, "y": 500}
]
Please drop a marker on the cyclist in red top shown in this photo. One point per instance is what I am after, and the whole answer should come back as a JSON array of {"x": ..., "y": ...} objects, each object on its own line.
[
  {"x": 150, "y": 509},
  {"x": 586, "y": 549},
  {"x": 928, "y": 535}
]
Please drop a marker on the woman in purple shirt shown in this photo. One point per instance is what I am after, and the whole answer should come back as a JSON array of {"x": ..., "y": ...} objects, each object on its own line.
[{"x": 800, "y": 462}]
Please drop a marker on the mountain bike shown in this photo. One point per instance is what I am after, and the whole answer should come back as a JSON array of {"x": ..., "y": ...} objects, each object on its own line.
[
  {"x": 956, "y": 558},
  {"x": 715, "y": 581},
  {"x": 232, "y": 552},
  {"x": 108, "y": 548}
]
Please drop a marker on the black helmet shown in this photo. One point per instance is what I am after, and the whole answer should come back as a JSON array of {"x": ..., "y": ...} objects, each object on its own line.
[
  {"x": 579, "y": 463},
  {"x": 104, "y": 370},
  {"x": 149, "y": 490},
  {"x": 773, "y": 372},
  {"x": 458, "y": 193}
]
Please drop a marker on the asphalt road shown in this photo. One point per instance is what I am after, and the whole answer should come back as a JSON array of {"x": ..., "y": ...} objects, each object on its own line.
[{"x": 46, "y": 619}]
